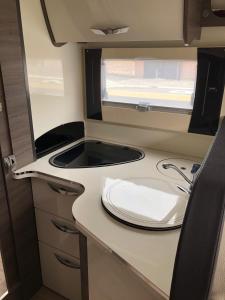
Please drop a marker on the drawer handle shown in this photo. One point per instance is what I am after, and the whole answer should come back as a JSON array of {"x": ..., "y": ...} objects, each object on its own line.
[
  {"x": 64, "y": 228},
  {"x": 66, "y": 262},
  {"x": 63, "y": 191}
]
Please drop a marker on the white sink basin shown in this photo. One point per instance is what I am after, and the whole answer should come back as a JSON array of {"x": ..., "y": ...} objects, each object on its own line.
[{"x": 146, "y": 203}]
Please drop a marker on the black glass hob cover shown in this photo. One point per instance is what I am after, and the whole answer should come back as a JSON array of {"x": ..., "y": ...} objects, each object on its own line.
[{"x": 91, "y": 153}]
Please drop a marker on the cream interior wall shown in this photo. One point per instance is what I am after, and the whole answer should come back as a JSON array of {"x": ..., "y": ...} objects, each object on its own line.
[
  {"x": 151, "y": 52},
  {"x": 54, "y": 74},
  {"x": 175, "y": 142},
  {"x": 55, "y": 83}
]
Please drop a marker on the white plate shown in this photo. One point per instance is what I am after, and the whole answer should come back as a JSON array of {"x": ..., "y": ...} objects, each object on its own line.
[{"x": 147, "y": 203}]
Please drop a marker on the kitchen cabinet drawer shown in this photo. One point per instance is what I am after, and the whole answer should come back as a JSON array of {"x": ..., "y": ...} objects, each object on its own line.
[
  {"x": 60, "y": 272},
  {"x": 57, "y": 233},
  {"x": 56, "y": 199}
]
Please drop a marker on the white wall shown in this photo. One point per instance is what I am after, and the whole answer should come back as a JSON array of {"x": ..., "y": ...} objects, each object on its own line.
[{"x": 54, "y": 74}]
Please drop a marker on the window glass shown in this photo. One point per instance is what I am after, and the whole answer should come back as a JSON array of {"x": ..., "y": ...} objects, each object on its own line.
[{"x": 155, "y": 82}]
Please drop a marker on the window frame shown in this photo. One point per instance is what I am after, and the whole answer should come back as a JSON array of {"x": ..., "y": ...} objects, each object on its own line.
[
  {"x": 143, "y": 105},
  {"x": 205, "y": 115}
]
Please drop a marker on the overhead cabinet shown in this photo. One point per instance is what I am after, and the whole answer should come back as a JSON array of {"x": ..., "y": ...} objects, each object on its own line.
[
  {"x": 99, "y": 21},
  {"x": 115, "y": 21}
]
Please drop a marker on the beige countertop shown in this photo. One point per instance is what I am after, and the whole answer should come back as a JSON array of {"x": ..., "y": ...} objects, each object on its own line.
[{"x": 149, "y": 254}]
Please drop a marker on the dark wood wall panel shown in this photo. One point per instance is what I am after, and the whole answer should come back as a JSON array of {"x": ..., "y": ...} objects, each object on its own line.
[
  {"x": 4, "y": 127},
  {"x": 192, "y": 20},
  {"x": 12, "y": 59},
  {"x": 22, "y": 214},
  {"x": 84, "y": 267},
  {"x": 16, "y": 138},
  {"x": 17, "y": 112},
  {"x": 7, "y": 245}
]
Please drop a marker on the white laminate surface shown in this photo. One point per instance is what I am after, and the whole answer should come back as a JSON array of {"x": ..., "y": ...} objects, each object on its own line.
[{"x": 150, "y": 254}]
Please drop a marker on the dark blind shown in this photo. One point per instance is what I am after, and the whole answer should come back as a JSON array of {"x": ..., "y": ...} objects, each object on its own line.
[
  {"x": 209, "y": 91},
  {"x": 93, "y": 83}
]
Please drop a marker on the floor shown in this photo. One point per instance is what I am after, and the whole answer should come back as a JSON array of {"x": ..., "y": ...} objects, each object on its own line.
[
  {"x": 3, "y": 287},
  {"x": 46, "y": 294}
]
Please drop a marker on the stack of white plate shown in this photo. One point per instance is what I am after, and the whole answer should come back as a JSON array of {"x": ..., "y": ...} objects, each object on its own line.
[{"x": 146, "y": 203}]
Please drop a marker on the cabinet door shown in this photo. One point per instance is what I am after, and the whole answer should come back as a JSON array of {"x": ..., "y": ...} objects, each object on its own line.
[
  {"x": 111, "y": 279},
  {"x": 73, "y": 20}
]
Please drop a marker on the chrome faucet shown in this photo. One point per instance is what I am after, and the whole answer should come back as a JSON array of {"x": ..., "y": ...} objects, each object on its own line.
[{"x": 194, "y": 171}]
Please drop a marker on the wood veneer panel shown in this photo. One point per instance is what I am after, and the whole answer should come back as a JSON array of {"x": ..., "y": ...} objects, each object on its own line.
[
  {"x": 84, "y": 267},
  {"x": 12, "y": 66},
  {"x": 21, "y": 208},
  {"x": 16, "y": 138},
  {"x": 209, "y": 18},
  {"x": 7, "y": 243},
  {"x": 4, "y": 127},
  {"x": 192, "y": 20},
  {"x": 25, "y": 235}
]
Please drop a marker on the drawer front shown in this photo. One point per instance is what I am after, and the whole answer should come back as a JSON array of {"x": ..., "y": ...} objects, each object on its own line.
[
  {"x": 54, "y": 198},
  {"x": 60, "y": 272},
  {"x": 57, "y": 232}
]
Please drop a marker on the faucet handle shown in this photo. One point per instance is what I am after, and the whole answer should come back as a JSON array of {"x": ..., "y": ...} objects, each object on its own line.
[
  {"x": 172, "y": 166},
  {"x": 195, "y": 168},
  {"x": 195, "y": 171}
]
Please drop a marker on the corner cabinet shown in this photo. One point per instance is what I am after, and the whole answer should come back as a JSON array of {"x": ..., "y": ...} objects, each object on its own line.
[
  {"x": 115, "y": 21},
  {"x": 58, "y": 238}
]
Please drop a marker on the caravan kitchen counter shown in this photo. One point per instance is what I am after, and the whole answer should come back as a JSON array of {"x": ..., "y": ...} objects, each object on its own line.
[{"x": 149, "y": 254}]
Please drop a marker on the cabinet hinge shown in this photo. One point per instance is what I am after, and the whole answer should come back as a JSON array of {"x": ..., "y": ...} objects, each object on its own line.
[{"x": 10, "y": 162}]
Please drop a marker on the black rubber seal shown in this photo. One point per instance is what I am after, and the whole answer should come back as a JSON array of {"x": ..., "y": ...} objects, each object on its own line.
[{"x": 138, "y": 226}]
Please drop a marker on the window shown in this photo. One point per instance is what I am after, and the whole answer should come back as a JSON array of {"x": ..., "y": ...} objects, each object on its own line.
[
  {"x": 178, "y": 89},
  {"x": 149, "y": 84}
]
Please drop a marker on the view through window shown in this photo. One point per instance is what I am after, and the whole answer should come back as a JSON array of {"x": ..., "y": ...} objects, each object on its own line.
[{"x": 154, "y": 82}]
